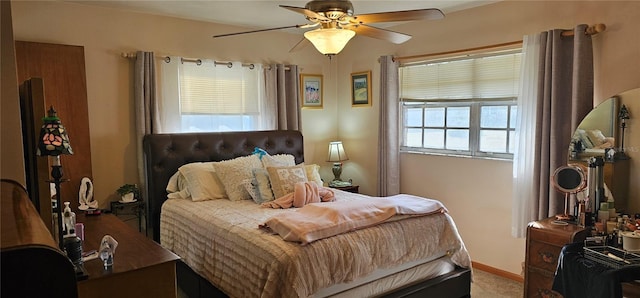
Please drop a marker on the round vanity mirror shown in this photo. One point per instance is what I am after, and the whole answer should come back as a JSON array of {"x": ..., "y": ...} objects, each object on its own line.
[{"x": 569, "y": 179}]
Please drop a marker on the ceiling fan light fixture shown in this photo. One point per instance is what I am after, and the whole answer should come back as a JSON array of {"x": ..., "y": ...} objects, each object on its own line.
[{"x": 329, "y": 41}]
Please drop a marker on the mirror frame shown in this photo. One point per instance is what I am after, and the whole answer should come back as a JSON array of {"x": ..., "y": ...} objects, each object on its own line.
[{"x": 556, "y": 179}]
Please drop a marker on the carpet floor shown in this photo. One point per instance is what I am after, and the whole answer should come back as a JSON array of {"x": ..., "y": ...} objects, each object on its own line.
[{"x": 487, "y": 285}]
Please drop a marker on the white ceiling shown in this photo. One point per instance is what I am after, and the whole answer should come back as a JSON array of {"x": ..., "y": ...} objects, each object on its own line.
[{"x": 262, "y": 14}]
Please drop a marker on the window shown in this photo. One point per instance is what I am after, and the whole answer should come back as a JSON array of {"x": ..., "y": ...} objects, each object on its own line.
[
  {"x": 463, "y": 106},
  {"x": 211, "y": 97}
]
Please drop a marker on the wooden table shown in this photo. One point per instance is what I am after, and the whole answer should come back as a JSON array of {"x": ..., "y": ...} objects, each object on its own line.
[{"x": 141, "y": 267}]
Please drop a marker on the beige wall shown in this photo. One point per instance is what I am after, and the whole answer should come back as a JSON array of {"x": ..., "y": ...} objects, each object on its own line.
[
  {"x": 106, "y": 33},
  {"x": 477, "y": 192}
]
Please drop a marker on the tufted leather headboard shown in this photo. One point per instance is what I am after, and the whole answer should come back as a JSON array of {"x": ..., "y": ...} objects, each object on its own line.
[{"x": 165, "y": 153}]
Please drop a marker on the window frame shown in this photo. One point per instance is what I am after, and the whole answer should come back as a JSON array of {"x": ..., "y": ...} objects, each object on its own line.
[
  {"x": 475, "y": 129},
  {"x": 474, "y": 126}
]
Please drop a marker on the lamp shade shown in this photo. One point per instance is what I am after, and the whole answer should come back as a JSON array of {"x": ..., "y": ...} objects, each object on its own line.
[
  {"x": 329, "y": 41},
  {"x": 336, "y": 152},
  {"x": 53, "y": 139},
  {"x": 624, "y": 113}
]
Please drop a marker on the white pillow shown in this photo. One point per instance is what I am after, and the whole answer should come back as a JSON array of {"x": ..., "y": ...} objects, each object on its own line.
[
  {"x": 232, "y": 172},
  {"x": 177, "y": 187},
  {"x": 313, "y": 173},
  {"x": 278, "y": 160},
  {"x": 172, "y": 186},
  {"x": 202, "y": 181},
  {"x": 596, "y": 137}
]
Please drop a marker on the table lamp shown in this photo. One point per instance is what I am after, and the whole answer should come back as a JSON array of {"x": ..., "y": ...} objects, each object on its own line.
[
  {"x": 623, "y": 115},
  {"x": 53, "y": 142},
  {"x": 337, "y": 156}
]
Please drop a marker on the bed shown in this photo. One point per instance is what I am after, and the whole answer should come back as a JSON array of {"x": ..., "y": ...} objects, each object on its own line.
[{"x": 238, "y": 259}]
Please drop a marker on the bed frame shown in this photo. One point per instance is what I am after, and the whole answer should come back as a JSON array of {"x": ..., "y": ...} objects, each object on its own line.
[{"x": 165, "y": 153}]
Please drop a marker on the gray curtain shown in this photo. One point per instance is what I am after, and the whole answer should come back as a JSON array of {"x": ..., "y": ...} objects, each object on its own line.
[
  {"x": 389, "y": 129},
  {"x": 145, "y": 105},
  {"x": 282, "y": 97},
  {"x": 565, "y": 96}
]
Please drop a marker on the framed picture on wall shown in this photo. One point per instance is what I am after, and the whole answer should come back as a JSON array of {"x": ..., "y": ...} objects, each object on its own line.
[
  {"x": 311, "y": 90},
  {"x": 361, "y": 88}
]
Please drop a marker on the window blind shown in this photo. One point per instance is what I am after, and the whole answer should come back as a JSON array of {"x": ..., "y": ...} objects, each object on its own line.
[
  {"x": 211, "y": 89},
  {"x": 462, "y": 78}
]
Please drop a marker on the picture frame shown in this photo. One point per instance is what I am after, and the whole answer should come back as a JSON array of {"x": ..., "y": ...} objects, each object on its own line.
[
  {"x": 361, "y": 88},
  {"x": 311, "y": 90}
]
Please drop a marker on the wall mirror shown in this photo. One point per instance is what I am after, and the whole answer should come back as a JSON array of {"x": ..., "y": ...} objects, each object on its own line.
[{"x": 618, "y": 174}]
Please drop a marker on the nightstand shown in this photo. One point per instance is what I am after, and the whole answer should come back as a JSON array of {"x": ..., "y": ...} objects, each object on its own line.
[
  {"x": 350, "y": 188},
  {"x": 127, "y": 211}
]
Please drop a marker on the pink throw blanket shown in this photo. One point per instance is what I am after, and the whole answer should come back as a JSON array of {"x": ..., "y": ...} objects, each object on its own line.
[
  {"x": 317, "y": 221},
  {"x": 304, "y": 193}
]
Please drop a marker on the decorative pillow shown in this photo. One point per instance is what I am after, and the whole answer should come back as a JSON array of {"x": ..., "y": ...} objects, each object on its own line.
[
  {"x": 250, "y": 188},
  {"x": 283, "y": 179},
  {"x": 263, "y": 186},
  {"x": 313, "y": 173},
  {"x": 202, "y": 182},
  {"x": 232, "y": 172}
]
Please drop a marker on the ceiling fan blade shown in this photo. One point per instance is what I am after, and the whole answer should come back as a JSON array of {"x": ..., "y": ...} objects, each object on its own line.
[
  {"x": 388, "y": 35},
  {"x": 398, "y": 16},
  {"x": 308, "y": 13},
  {"x": 303, "y": 43},
  {"x": 261, "y": 30}
]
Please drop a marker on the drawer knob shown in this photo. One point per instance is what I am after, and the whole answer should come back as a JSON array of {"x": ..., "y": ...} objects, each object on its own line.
[
  {"x": 546, "y": 293},
  {"x": 548, "y": 257}
]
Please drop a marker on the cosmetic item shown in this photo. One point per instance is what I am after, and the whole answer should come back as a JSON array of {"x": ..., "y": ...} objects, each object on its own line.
[
  {"x": 603, "y": 216},
  {"x": 80, "y": 230}
]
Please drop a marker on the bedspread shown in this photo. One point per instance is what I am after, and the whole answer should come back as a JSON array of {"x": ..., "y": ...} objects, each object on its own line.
[
  {"x": 220, "y": 240},
  {"x": 321, "y": 220}
]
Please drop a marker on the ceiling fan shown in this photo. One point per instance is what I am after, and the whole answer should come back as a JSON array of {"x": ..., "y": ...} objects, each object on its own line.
[{"x": 337, "y": 24}]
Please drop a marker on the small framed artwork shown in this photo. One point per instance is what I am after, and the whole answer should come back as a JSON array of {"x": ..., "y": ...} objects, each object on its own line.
[
  {"x": 311, "y": 90},
  {"x": 361, "y": 88}
]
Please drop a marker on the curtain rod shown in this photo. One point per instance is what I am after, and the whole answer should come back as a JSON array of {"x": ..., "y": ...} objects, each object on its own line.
[
  {"x": 591, "y": 30},
  {"x": 167, "y": 59}
]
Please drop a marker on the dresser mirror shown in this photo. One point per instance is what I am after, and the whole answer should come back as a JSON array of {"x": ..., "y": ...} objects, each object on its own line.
[{"x": 598, "y": 133}]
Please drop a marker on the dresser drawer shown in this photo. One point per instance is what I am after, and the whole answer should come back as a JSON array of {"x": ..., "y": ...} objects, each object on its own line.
[
  {"x": 539, "y": 284},
  {"x": 543, "y": 255},
  {"x": 550, "y": 237}
]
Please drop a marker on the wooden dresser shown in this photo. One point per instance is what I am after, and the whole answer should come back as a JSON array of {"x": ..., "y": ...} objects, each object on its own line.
[
  {"x": 141, "y": 267},
  {"x": 544, "y": 242}
]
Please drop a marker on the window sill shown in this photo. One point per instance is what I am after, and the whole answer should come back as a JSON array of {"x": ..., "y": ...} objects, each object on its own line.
[{"x": 455, "y": 155}]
